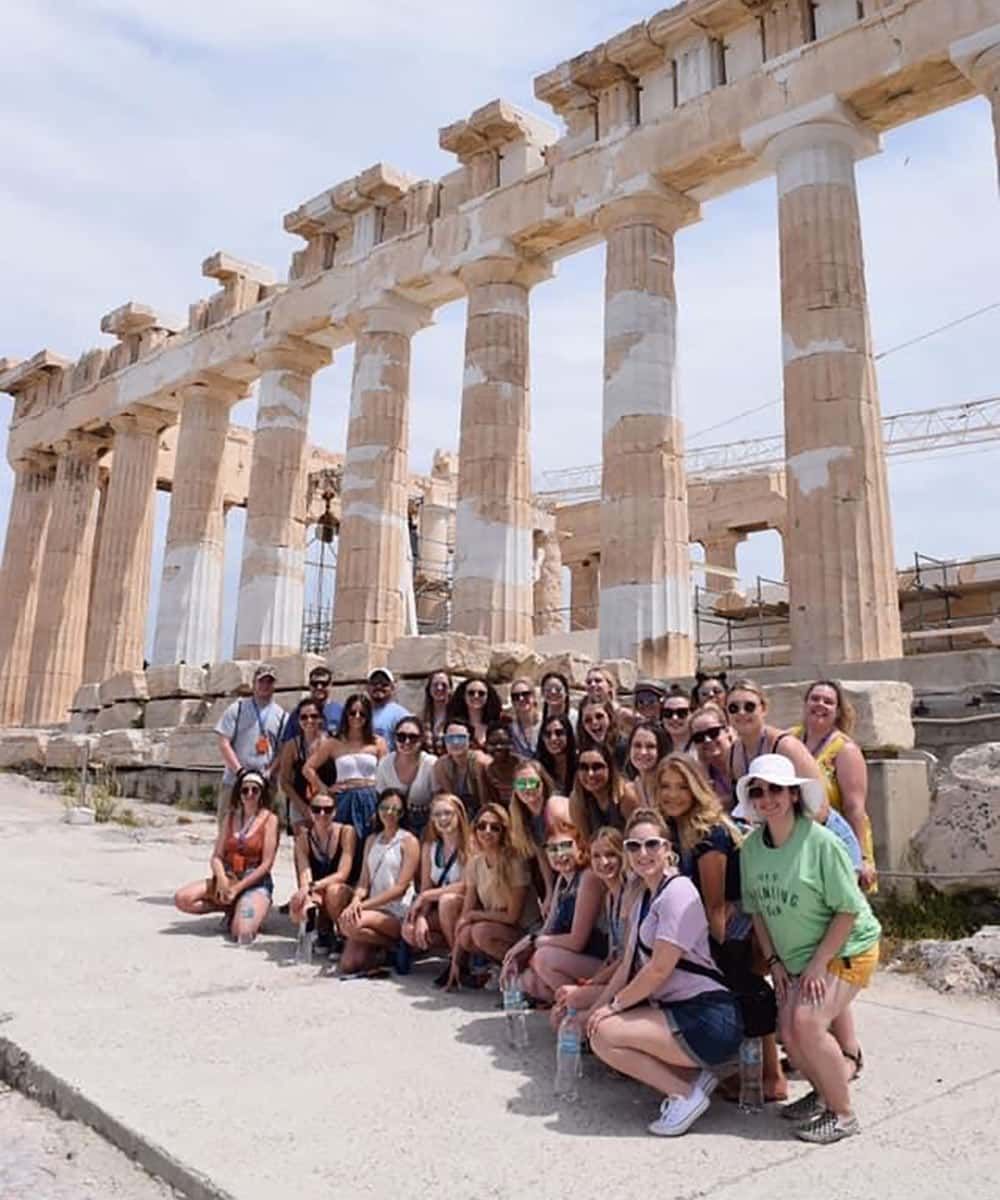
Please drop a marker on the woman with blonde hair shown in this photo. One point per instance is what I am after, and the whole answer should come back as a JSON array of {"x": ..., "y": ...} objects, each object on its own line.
[
  {"x": 525, "y": 717},
  {"x": 666, "y": 1016},
  {"x": 499, "y": 903},
  {"x": 570, "y": 944},
  {"x": 530, "y": 820},
  {"x": 827, "y": 723},
  {"x": 432, "y": 916},
  {"x": 598, "y": 796}
]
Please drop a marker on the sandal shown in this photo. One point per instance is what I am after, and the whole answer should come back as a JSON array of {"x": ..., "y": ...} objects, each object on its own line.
[{"x": 859, "y": 1064}]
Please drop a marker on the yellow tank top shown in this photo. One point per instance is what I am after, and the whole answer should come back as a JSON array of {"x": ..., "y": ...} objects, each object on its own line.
[{"x": 826, "y": 760}]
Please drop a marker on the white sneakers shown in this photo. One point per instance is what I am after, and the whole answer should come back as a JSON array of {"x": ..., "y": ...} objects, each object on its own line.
[{"x": 679, "y": 1113}]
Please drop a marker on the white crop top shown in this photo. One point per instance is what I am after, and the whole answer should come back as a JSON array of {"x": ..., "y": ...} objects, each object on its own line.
[{"x": 356, "y": 766}]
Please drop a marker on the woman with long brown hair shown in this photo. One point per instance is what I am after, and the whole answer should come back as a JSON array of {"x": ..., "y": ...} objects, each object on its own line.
[
  {"x": 746, "y": 706},
  {"x": 530, "y": 821},
  {"x": 598, "y": 796}
]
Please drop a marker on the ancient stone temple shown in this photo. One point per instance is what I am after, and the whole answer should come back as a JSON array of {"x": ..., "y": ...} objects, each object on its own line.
[{"x": 702, "y": 98}]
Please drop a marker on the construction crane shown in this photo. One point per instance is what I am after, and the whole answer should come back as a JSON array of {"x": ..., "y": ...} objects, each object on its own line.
[{"x": 906, "y": 433}]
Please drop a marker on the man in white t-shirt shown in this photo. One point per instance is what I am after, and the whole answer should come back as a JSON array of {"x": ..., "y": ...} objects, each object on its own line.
[{"x": 249, "y": 732}]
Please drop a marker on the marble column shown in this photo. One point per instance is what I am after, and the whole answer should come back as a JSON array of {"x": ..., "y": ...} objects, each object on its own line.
[
  {"x": 493, "y": 586},
  {"x": 549, "y": 584},
  {"x": 27, "y": 526},
  {"x": 584, "y": 590},
  {"x": 272, "y": 575},
  {"x": 978, "y": 57},
  {"x": 839, "y": 556},
  {"x": 188, "y": 618},
  {"x": 720, "y": 552},
  {"x": 55, "y": 668},
  {"x": 372, "y": 590},
  {"x": 645, "y": 598},
  {"x": 116, "y": 636}
]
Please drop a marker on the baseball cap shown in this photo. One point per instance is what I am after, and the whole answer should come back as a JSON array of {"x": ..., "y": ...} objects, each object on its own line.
[
  {"x": 376, "y": 671},
  {"x": 264, "y": 671}
]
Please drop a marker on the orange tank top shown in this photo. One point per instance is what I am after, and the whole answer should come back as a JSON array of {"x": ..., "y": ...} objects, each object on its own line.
[{"x": 242, "y": 853}]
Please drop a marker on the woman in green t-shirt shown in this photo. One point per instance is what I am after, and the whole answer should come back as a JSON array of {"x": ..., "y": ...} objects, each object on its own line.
[{"x": 816, "y": 929}]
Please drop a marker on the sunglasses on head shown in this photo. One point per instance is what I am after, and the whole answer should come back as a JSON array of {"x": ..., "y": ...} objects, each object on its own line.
[
  {"x": 748, "y": 706},
  {"x": 650, "y": 844},
  {"x": 318, "y": 809},
  {"x": 559, "y": 847},
  {"x": 706, "y": 735},
  {"x": 489, "y": 827},
  {"x": 407, "y": 739},
  {"x": 756, "y": 792}
]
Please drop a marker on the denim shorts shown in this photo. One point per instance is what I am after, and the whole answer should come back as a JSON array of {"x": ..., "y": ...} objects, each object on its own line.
[{"x": 708, "y": 1028}]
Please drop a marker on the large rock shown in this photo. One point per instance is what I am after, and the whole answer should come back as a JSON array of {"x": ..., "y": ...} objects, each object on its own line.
[
  {"x": 511, "y": 660},
  {"x": 410, "y": 693},
  {"x": 127, "y": 685},
  {"x": 573, "y": 666},
  {"x": 293, "y": 669},
  {"x": 961, "y": 838},
  {"x": 456, "y": 653},
  {"x": 130, "y": 749},
  {"x": 125, "y": 714},
  {"x": 353, "y": 662},
  {"x": 970, "y": 965},
  {"x": 23, "y": 748},
  {"x": 67, "y": 751},
  {"x": 883, "y": 709},
  {"x": 163, "y": 713},
  {"x": 623, "y": 671},
  {"x": 175, "y": 679},
  {"x": 87, "y": 698},
  {"x": 230, "y": 678},
  {"x": 192, "y": 746}
]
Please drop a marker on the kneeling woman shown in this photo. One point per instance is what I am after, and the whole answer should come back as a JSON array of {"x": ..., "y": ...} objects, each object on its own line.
[
  {"x": 432, "y": 916},
  {"x": 324, "y": 856},
  {"x": 240, "y": 885},
  {"x": 666, "y": 1017},
  {"x": 570, "y": 944},
  {"x": 499, "y": 903},
  {"x": 373, "y": 920},
  {"x": 818, "y": 933}
]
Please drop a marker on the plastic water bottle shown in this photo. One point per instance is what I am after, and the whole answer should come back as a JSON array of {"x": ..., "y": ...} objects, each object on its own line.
[
  {"x": 569, "y": 1057},
  {"x": 751, "y": 1075},
  {"x": 514, "y": 1012},
  {"x": 305, "y": 945}
]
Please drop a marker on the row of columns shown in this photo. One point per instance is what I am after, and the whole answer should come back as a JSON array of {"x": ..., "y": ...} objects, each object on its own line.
[{"x": 839, "y": 551}]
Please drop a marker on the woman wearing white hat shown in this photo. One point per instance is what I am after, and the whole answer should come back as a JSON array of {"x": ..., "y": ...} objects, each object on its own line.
[{"x": 816, "y": 929}]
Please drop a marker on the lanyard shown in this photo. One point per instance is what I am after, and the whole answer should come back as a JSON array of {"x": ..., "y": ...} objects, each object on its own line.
[{"x": 260, "y": 724}]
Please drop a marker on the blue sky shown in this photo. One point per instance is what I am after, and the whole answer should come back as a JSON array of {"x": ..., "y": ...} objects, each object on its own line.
[{"x": 140, "y": 138}]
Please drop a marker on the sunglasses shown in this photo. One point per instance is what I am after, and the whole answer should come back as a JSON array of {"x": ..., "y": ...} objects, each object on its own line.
[
  {"x": 407, "y": 739},
  {"x": 773, "y": 789},
  {"x": 650, "y": 845},
  {"x": 489, "y": 827},
  {"x": 390, "y": 810},
  {"x": 556, "y": 733},
  {"x": 475, "y": 694},
  {"x": 748, "y": 706},
  {"x": 250, "y": 789},
  {"x": 320, "y": 683},
  {"x": 711, "y": 689},
  {"x": 527, "y": 784},
  {"x": 519, "y": 696},
  {"x": 706, "y": 735},
  {"x": 318, "y": 809},
  {"x": 559, "y": 847},
  {"x": 647, "y": 698},
  {"x": 440, "y": 686},
  {"x": 310, "y": 717},
  {"x": 356, "y": 713},
  {"x": 592, "y": 768},
  {"x": 676, "y": 714},
  {"x": 554, "y": 690},
  {"x": 456, "y": 739}
]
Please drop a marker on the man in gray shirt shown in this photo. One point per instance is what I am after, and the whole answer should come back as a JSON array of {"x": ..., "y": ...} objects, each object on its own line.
[{"x": 249, "y": 732}]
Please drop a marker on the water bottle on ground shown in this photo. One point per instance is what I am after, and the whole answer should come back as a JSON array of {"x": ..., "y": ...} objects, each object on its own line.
[
  {"x": 515, "y": 1013},
  {"x": 751, "y": 1075},
  {"x": 305, "y": 945},
  {"x": 569, "y": 1058}
]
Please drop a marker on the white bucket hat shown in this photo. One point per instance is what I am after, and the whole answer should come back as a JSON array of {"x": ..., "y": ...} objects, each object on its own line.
[{"x": 775, "y": 768}]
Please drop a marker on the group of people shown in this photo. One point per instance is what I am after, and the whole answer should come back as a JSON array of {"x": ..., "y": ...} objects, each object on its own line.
[{"x": 680, "y": 872}]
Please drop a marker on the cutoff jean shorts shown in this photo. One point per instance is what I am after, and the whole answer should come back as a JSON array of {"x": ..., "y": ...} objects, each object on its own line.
[{"x": 708, "y": 1028}]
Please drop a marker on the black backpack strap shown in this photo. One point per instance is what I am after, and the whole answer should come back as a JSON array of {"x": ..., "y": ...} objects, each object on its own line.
[{"x": 685, "y": 964}]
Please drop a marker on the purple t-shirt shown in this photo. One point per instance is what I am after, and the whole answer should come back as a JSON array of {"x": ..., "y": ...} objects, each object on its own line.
[{"x": 677, "y": 916}]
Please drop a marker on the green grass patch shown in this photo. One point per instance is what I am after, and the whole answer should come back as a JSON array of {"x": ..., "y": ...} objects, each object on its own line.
[{"x": 930, "y": 914}]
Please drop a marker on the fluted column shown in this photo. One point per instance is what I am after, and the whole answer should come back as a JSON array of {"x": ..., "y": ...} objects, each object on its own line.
[
  {"x": 839, "y": 552},
  {"x": 549, "y": 584},
  {"x": 720, "y": 552},
  {"x": 187, "y": 622},
  {"x": 117, "y": 631},
  {"x": 493, "y": 588},
  {"x": 645, "y": 597},
  {"x": 979, "y": 58},
  {"x": 371, "y": 598},
  {"x": 27, "y": 527},
  {"x": 55, "y": 669},
  {"x": 272, "y": 575}
]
